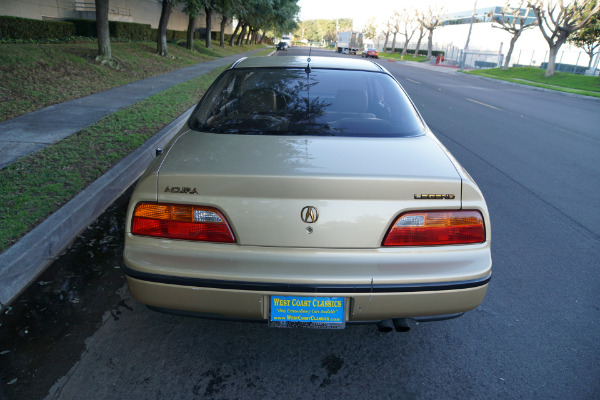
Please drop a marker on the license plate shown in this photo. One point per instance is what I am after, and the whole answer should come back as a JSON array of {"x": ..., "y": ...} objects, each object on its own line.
[{"x": 307, "y": 312}]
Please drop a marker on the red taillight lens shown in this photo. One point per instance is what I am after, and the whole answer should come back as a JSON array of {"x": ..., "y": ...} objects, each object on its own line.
[
  {"x": 430, "y": 228},
  {"x": 176, "y": 221}
]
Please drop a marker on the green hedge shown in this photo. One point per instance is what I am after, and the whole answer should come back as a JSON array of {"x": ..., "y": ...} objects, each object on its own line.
[
  {"x": 172, "y": 35},
  {"x": 24, "y": 28},
  {"x": 84, "y": 27},
  {"x": 129, "y": 31},
  {"x": 182, "y": 35},
  {"x": 422, "y": 52},
  {"x": 126, "y": 31}
]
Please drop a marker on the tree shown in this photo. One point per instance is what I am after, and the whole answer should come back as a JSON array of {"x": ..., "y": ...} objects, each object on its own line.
[
  {"x": 431, "y": 19},
  {"x": 226, "y": 9},
  {"x": 208, "y": 8},
  {"x": 345, "y": 24},
  {"x": 192, "y": 8},
  {"x": 408, "y": 20},
  {"x": 255, "y": 16},
  {"x": 557, "y": 22},
  {"x": 370, "y": 31},
  {"x": 165, "y": 13},
  {"x": 242, "y": 35},
  {"x": 588, "y": 38},
  {"x": 104, "y": 50},
  {"x": 235, "y": 32},
  {"x": 387, "y": 29},
  {"x": 421, "y": 36},
  {"x": 514, "y": 21},
  {"x": 395, "y": 21},
  {"x": 316, "y": 30}
]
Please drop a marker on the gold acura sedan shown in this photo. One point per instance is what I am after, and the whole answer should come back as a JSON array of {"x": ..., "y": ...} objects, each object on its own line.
[{"x": 308, "y": 193}]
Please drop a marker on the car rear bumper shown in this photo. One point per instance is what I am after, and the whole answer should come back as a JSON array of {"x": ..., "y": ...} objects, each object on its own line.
[
  {"x": 241, "y": 300},
  {"x": 234, "y": 281},
  {"x": 237, "y": 281}
]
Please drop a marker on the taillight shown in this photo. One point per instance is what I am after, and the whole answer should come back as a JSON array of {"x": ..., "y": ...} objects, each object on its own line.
[
  {"x": 177, "y": 221},
  {"x": 430, "y": 228}
]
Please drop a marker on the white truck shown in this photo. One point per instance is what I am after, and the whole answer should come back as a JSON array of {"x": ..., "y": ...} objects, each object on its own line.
[
  {"x": 287, "y": 39},
  {"x": 349, "y": 42}
]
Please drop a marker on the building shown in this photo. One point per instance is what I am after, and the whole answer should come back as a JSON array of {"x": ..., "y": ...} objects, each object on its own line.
[
  {"x": 530, "y": 49},
  {"x": 138, "y": 11}
]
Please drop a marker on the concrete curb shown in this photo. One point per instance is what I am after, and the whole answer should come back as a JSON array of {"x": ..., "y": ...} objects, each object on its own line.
[{"x": 23, "y": 262}]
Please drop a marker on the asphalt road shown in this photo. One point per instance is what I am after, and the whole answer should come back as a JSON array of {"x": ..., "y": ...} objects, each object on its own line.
[{"x": 535, "y": 156}]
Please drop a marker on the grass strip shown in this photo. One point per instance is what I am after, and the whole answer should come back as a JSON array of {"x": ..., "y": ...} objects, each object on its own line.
[
  {"x": 35, "y": 186},
  {"x": 33, "y": 76},
  {"x": 531, "y": 76},
  {"x": 398, "y": 57}
]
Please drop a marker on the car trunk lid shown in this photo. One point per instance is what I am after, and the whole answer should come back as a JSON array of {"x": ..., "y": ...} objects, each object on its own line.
[{"x": 262, "y": 183}]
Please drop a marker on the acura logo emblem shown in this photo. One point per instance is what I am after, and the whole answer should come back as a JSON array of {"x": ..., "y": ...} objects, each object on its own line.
[{"x": 309, "y": 214}]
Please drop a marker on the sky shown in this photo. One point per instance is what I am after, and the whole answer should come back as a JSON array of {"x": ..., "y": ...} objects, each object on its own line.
[{"x": 361, "y": 10}]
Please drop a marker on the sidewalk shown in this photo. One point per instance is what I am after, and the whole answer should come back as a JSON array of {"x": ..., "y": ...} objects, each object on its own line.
[
  {"x": 446, "y": 69},
  {"x": 31, "y": 132},
  {"x": 23, "y": 262}
]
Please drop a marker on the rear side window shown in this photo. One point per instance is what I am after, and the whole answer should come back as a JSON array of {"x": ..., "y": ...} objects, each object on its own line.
[{"x": 276, "y": 101}]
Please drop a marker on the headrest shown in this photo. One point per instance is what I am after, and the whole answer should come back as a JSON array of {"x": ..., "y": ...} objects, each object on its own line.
[
  {"x": 261, "y": 101},
  {"x": 351, "y": 101}
]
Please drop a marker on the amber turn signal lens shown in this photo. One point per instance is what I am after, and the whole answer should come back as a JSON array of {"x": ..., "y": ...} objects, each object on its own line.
[
  {"x": 431, "y": 228},
  {"x": 179, "y": 221}
]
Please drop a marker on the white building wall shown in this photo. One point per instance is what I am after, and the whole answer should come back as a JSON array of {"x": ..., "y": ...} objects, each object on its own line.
[
  {"x": 138, "y": 11},
  {"x": 530, "y": 49}
]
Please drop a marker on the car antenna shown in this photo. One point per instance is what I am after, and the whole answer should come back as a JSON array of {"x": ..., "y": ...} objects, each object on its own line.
[{"x": 307, "y": 69}]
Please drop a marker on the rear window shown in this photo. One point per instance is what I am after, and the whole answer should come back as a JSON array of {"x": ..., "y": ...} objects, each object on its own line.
[{"x": 276, "y": 101}]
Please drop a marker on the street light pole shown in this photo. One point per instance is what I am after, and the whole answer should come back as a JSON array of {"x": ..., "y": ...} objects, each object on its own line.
[{"x": 464, "y": 55}]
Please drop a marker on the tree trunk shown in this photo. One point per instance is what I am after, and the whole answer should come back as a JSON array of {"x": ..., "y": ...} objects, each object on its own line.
[
  {"x": 161, "y": 41},
  {"x": 235, "y": 32},
  {"x": 394, "y": 44},
  {"x": 208, "y": 11},
  {"x": 421, "y": 35},
  {"x": 552, "y": 60},
  {"x": 190, "y": 33},
  {"x": 387, "y": 36},
  {"x": 241, "y": 36},
  {"x": 591, "y": 55},
  {"x": 430, "y": 44},
  {"x": 250, "y": 30},
  {"x": 104, "y": 50},
  {"x": 513, "y": 40},
  {"x": 405, "y": 49},
  {"x": 562, "y": 38},
  {"x": 222, "y": 36}
]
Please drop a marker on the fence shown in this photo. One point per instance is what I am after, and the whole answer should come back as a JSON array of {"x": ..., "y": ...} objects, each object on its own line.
[{"x": 577, "y": 62}]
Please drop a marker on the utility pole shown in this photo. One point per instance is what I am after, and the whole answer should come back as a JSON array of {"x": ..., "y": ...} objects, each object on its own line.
[{"x": 464, "y": 55}]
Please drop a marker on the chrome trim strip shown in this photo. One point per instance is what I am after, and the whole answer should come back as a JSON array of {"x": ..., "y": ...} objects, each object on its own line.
[{"x": 306, "y": 288}]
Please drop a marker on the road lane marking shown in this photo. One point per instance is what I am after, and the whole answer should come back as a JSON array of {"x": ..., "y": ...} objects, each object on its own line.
[
  {"x": 408, "y": 79},
  {"x": 483, "y": 104}
]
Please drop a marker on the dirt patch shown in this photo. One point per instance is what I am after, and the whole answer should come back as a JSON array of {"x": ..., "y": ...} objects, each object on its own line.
[{"x": 43, "y": 334}]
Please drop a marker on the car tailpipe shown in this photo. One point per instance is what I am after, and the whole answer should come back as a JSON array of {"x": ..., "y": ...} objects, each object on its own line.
[
  {"x": 385, "y": 325},
  {"x": 401, "y": 324}
]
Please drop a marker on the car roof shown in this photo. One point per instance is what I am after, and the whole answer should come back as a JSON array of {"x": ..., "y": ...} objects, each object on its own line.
[{"x": 315, "y": 62}]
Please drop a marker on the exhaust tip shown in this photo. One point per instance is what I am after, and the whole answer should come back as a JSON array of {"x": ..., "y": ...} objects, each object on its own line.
[
  {"x": 385, "y": 326},
  {"x": 401, "y": 325}
]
